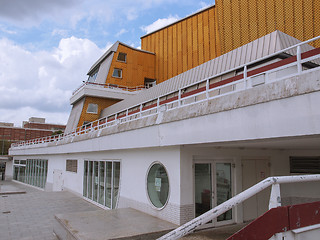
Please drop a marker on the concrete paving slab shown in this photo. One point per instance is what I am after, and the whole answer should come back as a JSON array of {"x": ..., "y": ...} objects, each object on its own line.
[
  {"x": 123, "y": 223},
  {"x": 219, "y": 233},
  {"x": 6, "y": 187}
]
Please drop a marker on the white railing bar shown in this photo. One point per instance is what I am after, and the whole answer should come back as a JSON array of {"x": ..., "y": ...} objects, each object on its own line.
[{"x": 190, "y": 226}]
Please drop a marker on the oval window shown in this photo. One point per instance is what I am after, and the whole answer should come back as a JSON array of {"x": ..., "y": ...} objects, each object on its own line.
[{"x": 158, "y": 185}]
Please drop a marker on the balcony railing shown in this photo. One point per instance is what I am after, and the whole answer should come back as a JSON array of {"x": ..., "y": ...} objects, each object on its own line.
[
  {"x": 203, "y": 90},
  {"x": 110, "y": 86}
]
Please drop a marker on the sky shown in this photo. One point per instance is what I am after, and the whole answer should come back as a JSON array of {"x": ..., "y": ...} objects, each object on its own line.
[{"x": 47, "y": 47}]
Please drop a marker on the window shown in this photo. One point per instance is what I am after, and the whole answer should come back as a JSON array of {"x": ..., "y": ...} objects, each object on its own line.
[
  {"x": 93, "y": 76},
  {"x": 148, "y": 82},
  {"x": 71, "y": 165},
  {"x": 117, "y": 72},
  {"x": 305, "y": 165},
  {"x": 122, "y": 57},
  {"x": 158, "y": 185},
  {"x": 31, "y": 171},
  {"x": 101, "y": 182},
  {"x": 92, "y": 108}
]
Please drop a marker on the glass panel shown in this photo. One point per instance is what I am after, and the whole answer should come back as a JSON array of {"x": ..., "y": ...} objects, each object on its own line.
[
  {"x": 22, "y": 170},
  {"x": 224, "y": 191},
  {"x": 38, "y": 173},
  {"x": 203, "y": 188},
  {"x": 158, "y": 185},
  {"x": 116, "y": 178},
  {"x": 16, "y": 173},
  {"x": 101, "y": 183},
  {"x": 45, "y": 170},
  {"x": 85, "y": 177},
  {"x": 90, "y": 180},
  {"x": 95, "y": 186},
  {"x": 27, "y": 172},
  {"x": 108, "y": 184}
]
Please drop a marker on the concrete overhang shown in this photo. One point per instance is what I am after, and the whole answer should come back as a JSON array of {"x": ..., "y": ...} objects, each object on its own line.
[{"x": 100, "y": 92}]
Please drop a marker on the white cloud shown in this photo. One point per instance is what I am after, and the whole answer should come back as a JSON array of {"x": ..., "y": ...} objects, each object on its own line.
[
  {"x": 161, "y": 22},
  {"x": 41, "y": 83},
  {"x": 33, "y": 11},
  {"x": 122, "y": 31}
]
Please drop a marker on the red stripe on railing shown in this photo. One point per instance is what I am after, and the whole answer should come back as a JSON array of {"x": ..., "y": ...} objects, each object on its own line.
[
  {"x": 303, "y": 215},
  {"x": 280, "y": 219},
  {"x": 310, "y": 53}
]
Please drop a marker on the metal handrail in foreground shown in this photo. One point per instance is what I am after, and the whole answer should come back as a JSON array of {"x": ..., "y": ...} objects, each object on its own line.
[{"x": 275, "y": 201}]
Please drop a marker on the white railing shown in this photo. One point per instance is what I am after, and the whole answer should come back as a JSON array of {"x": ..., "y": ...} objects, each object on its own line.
[
  {"x": 203, "y": 90},
  {"x": 275, "y": 201},
  {"x": 108, "y": 85}
]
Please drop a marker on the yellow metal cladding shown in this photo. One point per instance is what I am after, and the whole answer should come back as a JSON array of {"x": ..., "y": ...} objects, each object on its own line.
[
  {"x": 242, "y": 21},
  {"x": 138, "y": 66},
  {"x": 184, "y": 45},
  {"x": 102, "y": 104}
]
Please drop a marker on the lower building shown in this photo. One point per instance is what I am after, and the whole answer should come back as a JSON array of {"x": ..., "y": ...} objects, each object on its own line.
[{"x": 175, "y": 151}]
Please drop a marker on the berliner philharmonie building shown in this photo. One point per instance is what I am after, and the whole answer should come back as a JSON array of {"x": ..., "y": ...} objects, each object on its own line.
[{"x": 217, "y": 113}]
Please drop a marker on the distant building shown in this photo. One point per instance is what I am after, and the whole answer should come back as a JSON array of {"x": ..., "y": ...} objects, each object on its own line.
[{"x": 34, "y": 128}]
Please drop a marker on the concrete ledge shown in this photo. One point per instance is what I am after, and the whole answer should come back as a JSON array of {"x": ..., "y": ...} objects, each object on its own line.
[{"x": 121, "y": 224}]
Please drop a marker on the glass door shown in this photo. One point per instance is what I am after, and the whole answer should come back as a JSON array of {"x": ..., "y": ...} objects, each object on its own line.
[{"x": 213, "y": 186}]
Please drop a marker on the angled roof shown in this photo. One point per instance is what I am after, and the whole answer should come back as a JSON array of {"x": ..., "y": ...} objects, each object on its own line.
[
  {"x": 112, "y": 49},
  {"x": 262, "y": 47}
]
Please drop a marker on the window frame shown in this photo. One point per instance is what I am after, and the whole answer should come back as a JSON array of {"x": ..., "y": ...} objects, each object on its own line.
[
  {"x": 125, "y": 57},
  {"x": 73, "y": 168},
  {"x": 117, "y": 69},
  {"x": 95, "y": 105},
  {"x": 146, "y": 186}
]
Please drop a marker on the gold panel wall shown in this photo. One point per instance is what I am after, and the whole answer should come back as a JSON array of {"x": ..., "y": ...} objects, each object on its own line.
[
  {"x": 102, "y": 104},
  {"x": 242, "y": 21},
  {"x": 138, "y": 66},
  {"x": 184, "y": 45}
]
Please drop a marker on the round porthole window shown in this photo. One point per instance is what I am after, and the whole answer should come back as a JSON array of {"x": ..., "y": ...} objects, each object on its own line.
[{"x": 158, "y": 185}]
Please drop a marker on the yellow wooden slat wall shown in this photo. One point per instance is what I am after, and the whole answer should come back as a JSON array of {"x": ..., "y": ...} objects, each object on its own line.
[
  {"x": 174, "y": 51},
  {"x": 179, "y": 51},
  {"x": 206, "y": 39},
  {"x": 195, "y": 43},
  {"x": 242, "y": 21},
  {"x": 102, "y": 104},
  {"x": 184, "y": 45},
  {"x": 139, "y": 65},
  {"x": 200, "y": 39}
]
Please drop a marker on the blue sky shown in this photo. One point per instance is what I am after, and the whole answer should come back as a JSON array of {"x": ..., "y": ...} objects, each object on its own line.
[{"x": 47, "y": 47}]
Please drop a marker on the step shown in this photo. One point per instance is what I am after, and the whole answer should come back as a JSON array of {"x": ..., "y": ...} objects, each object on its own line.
[{"x": 125, "y": 223}]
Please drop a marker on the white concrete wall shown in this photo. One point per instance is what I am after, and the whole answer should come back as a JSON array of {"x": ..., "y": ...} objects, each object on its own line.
[
  {"x": 9, "y": 170},
  {"x": 280, "y": 166}
]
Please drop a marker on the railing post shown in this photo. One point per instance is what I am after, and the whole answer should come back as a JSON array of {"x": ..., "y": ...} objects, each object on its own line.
[
  {"x": 299, "y": 59},
  {"x": 207, "y": 89},
  {"x": 245, "y": 76},
  {"x": 158, "y": 104},
  {"x": 179, "y": 98},
  {"x": 140, "y": 110},
  {"x": 275, "y": 197}
]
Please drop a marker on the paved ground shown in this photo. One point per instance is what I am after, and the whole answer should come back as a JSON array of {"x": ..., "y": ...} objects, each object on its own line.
[{"x": 30, "y": 216}]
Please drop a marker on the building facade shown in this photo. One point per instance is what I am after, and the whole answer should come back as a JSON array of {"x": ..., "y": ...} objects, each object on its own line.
[{"x": 201, "y": 131}]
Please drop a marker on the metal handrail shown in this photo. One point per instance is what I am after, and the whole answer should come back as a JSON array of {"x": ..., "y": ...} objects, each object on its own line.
[
  {"x": 192, "y": 225},
  {"x": 125, "y": 115},
  {"x": 111, "y": 86}
]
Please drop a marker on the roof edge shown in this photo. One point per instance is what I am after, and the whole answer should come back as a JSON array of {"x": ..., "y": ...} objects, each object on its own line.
[{"x": 180, "y": 20}]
